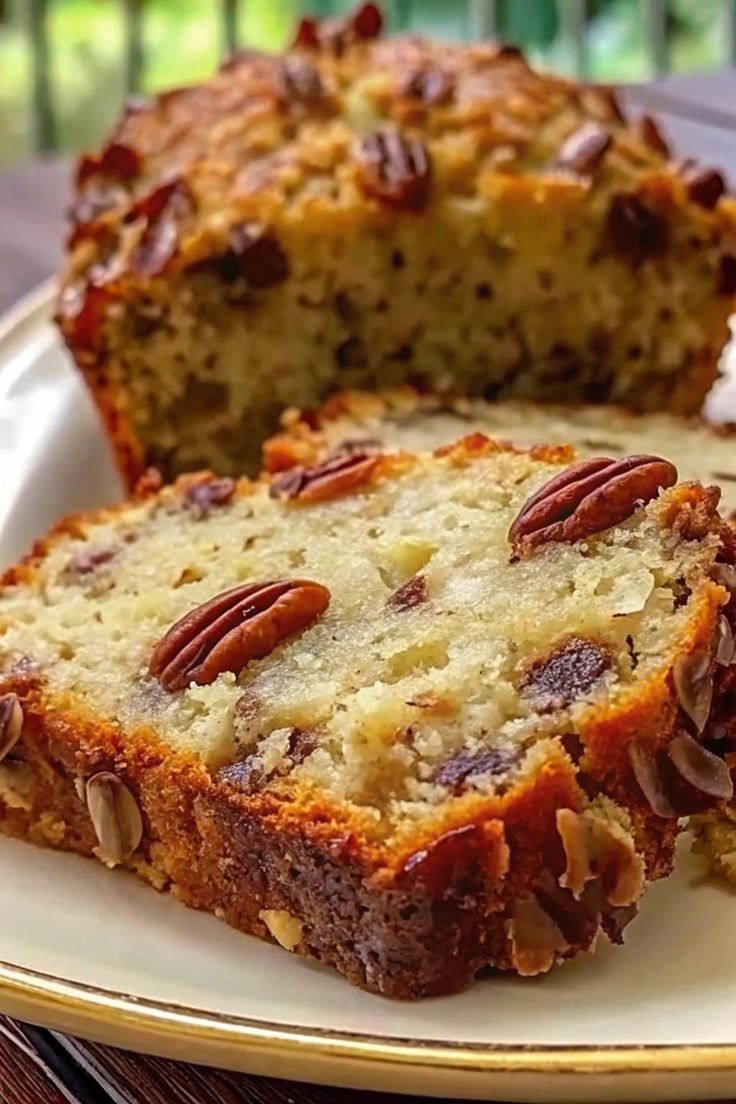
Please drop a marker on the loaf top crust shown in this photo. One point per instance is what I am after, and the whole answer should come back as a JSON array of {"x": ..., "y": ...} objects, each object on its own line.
[
  {"x": 404, "y": 418},
  {"x": 446, "y": 668},
  {"x": 350, "y": 128}
]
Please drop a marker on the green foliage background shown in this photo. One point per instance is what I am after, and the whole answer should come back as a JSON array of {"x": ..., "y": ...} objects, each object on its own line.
[{"x": 183, "y": 42}]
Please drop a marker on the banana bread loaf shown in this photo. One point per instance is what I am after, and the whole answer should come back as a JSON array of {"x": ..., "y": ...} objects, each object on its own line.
[
  {"x": 409, "y": 715},
  {"x": 406, "y": 419},
  {"x": 366, "y": 212}
]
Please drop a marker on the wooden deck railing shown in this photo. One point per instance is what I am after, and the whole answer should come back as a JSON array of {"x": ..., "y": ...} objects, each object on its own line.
[{"x": 482, "y": 20}]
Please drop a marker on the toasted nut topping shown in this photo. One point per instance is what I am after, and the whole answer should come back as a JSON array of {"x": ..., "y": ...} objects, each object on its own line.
[
  {"x": 704, "y": 185},
  {"x": 285, "y": 928},
  {"x": 598, "y": 848},
  {"x": 535, "y": 938},
  {"x": 584, "y": 150},
  {"x": 333, "y": 477},
  {"x": 202, "y": 497},
  {"x": 164, "y": 210},
  {"x": 115, "y": 817},
  {"x": 693, "y": 681},
  {"x": 336, "y": 34},
  {"x": 11, "y": 723},
  {"x": 725, "y": 647},
  {"x": 395, "y": 169},
  {"x": 116, "y": 161},
  {"x": 645, "y": 764},
  {"x": 700, "y": 767},
  {"x": 225, "y": 633},
  {"x": 590, "y": 496},
  {"x": 652, "y": 136},
  {"x": 430, "y": 84},
  {"x": 301, "y": 81}
]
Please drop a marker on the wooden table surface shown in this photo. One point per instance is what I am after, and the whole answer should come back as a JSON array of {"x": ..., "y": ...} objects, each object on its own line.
[{"x": 42, "y": 1067}]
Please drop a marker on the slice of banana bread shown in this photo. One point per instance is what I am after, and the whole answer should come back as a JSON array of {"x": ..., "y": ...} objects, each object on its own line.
[
  {"x": 367, "y": 212},
  {"x": 405, "y": 419},
  {"x": 411, "y": 715}
]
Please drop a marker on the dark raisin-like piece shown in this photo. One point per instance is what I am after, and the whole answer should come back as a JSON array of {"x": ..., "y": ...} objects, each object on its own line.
[
  {"x": 202, "y": 497},
  {"x": 727, "y": 275},
  {"x": 410, "y": 594},
  {"x": 466, "y": 763},
  {"x": 704, "y": 185},
  {"x": 566, "y": 674},
  {"x": 635, "y": 230}
]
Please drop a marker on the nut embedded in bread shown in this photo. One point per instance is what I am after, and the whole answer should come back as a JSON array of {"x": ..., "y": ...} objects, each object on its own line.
[
  {"x": 446, "y": 754},
  {"x": 403, "y": 418},
  {"x": 366, "y": 211}
]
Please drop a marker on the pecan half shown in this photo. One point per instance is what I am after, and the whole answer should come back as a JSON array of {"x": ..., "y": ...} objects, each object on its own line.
[
  {"x": 590, "y": 496},
  {"x": 395, "y": 169},
  {"x": 115, "y": 817},
  {"x": 333, "y": 477},
  {"x": 584, "y": 150},
  {"x": 11, "y": 723},
  {"x": 224, "y": 634}
]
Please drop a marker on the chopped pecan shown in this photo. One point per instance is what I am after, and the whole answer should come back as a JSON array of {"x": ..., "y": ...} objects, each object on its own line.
[
  {"x": 164, "y": 209},
  {"x": 242, "y": 624},
  {"x": 11, "y": 723},
  {"x": 588, "y": 497},
  {"x": 584, "y": 150},
  {"x": 87, "y": 560},
  {"x": 335, "y": 34},
  {"x": 395, "y": 169},
  {"x": 430, "y": 84},
  {"x": 564, "y": 675},
  {"x": 598, "y": 848},
  {"x": 202, "y": 497},
  {"x": 470, "y": 763},
  {"x": 247, "y": 775},
  {"x": 410, "y": 594},
  {"x": 301, "y": 81},
  {"x": 704, "y": 185},
  {"x": 651, "y": 135},
  {"x": 692, "y": 675},
  {"x": 337, "y": 476},
  {"x": 548, "y": 922},
  {"x": 635, "y": 230},
  {"x": 117, "y": 161}
]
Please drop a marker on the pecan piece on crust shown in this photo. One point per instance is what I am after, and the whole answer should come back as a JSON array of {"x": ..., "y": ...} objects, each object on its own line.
[
  {"x": 704, "y": 185},
  {"x": 429, "y": 84},
  {"x": 598, "y": 848},
  {"x": 202, "y": 497},
  {"x": 339, "y": 475},
  {"x": 11, "y": 723},
  {"x": 117, "y": 161},
  {"x": 588, "y": 497},
  {"x": 681, "y": 779},
  {"x": 224, "y": 634},
  {"x": 584, "y": 149},
  {"x": 115, "y": 817},
  {"x": 395, "y": 169},
  {"x": 335, "y": 34},
  {"x": 164, "y": 209}
]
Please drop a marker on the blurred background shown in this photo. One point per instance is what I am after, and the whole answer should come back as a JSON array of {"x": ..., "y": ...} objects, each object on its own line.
[{"x": 67, "y": 65}]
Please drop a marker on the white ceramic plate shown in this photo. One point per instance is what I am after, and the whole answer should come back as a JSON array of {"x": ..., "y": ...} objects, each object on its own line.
[{"x": 99, "y": 954}]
